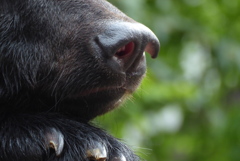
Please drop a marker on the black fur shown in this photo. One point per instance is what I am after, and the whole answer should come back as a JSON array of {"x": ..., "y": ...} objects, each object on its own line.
[
  {"x": 22, "y": 139},
  {"x": 55, "y": 74}
]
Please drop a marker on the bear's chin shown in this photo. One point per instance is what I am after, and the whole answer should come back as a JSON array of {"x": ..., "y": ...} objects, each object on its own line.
[{"x": 92, "y": 104}]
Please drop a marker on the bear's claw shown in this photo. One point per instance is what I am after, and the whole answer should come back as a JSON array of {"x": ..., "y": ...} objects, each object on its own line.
[
  {"x": 55, "y": 140},
  {"x": 98, "y": 153},
  {"x": 119, "y": 158}
]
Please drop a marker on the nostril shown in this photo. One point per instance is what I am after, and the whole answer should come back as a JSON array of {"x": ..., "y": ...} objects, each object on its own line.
[{"x": 125, "y": 50}]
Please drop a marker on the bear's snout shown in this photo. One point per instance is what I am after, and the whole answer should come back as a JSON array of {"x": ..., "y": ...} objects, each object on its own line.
[{"x": 123, "y": 45}]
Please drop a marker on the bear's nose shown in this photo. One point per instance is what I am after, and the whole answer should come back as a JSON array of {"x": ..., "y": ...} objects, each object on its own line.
[{"x": 123, "y": 45}]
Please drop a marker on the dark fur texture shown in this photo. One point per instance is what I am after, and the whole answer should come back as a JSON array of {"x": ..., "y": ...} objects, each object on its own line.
[{"x": 57, "y": 72}]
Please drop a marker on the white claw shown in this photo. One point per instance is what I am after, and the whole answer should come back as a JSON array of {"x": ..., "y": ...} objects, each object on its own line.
[
  {"x": 55, "y": 140},
  {"x": 119, "y": 158},
  {"x": 98, "y": 153}
]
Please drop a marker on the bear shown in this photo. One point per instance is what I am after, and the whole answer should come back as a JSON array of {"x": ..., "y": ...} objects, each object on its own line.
[{"x": 63, "y": 63}]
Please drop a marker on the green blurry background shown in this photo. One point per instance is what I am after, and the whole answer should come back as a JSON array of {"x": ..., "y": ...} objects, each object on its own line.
[{"x": 187, "y": 108}]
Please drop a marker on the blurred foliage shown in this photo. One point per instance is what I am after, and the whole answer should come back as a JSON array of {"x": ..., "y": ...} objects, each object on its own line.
[{"x": 187, "y": 108}]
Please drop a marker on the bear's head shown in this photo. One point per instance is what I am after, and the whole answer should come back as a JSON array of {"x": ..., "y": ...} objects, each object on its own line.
[{"x": 77, "y": 57}]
